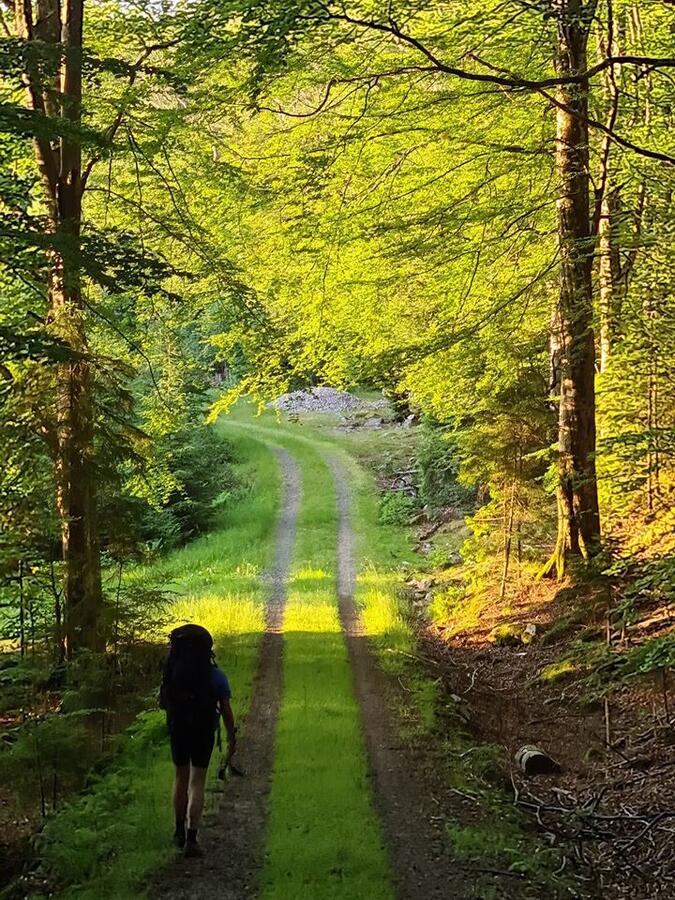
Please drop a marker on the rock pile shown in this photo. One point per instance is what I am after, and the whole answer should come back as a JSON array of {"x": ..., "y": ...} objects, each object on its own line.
[{"x": 318, "y": 399}]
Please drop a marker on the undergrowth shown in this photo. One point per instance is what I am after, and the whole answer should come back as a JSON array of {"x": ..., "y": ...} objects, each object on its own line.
[{"x": 500, "y": 836}]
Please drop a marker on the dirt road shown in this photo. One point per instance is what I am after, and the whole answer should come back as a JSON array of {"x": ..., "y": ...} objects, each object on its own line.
[{"x": 407, "y": 785}]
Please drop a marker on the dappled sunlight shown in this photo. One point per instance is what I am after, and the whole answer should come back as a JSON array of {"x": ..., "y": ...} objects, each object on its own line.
[
  {"x": 320, "y": 786},
  {"x": 228, "y": 614},
  {"x": 377, "y": 577},
  {"x": 309, "y": 575},
  {"x": 380, "y": 613},
  {"x": 108, "y": 842},
  {"x": 311, "y": 616}
]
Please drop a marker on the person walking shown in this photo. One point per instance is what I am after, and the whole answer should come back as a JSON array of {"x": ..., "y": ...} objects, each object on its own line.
[{"x": 195, "y": 694}]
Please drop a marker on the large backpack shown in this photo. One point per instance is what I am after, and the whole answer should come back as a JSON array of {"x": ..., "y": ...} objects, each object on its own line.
[{"x": 187, "y": 693}]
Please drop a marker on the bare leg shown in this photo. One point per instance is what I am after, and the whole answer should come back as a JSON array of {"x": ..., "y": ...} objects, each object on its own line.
[
  {"x": 196, "y": 797},
  {"x": 180, "y": 792}
]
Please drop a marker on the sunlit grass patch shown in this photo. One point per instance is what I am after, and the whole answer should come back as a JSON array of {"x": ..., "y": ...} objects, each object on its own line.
[
  {"x": 225, "y": 615},
  {"x": 319, "y": 617},
  {"x": 381, "y": 613}
]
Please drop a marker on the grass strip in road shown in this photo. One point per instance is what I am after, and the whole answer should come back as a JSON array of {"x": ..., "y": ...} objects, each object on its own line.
[
  {"x": 324, "y": 839},
  {"x": 105, "y": 843}
]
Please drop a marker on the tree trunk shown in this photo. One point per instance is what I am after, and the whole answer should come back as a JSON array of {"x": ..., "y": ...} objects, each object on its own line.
[
  {"x": 610, "y": 282},
  {"x": 572, "y": 338},
  {"x": 60, "y": 167},
  {"x": 76, "y": 408},
  {"x": 75, "y": 468}
]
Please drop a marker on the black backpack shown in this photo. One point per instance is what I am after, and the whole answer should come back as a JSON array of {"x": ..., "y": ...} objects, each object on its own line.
[{"x": 187, "y": 693}]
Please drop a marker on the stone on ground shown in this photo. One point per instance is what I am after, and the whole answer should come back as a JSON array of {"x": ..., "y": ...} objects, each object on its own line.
[{"x": 318, "y": 399}]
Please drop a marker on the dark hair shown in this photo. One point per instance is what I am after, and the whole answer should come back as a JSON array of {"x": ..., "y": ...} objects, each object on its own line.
[{"x": 191, "y": 638}]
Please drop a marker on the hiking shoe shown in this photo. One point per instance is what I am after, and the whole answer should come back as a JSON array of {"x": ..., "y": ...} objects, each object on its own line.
[
  {"x": 179, "y": 840},
  {"x": 193, "y": 851}
]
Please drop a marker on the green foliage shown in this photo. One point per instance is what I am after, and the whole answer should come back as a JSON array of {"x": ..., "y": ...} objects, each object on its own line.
[
  {"x": 397, "y": 508},
  {"x": 184, "y": 488},
  {"x": 446, "y": 603},
  {"x": 646, "y": 584},
  {"x": 439, "y": 465},
  {"x": 107, "y": 841},
  {"x": 655, "y": 654},
  {"x": 373, "y": 220},
  {"x": 47, "y": 757},
  {"x": 201, "y": 463},
  {"x": 505, "y": 845},
  {"x": 115, "y": 820}
]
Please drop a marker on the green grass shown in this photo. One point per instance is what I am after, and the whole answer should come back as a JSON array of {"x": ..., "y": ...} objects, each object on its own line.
[
  {"x": 384, "y": 555},
  {"x": 104, "y": 844},
  {"x": 306, "y": 831}
]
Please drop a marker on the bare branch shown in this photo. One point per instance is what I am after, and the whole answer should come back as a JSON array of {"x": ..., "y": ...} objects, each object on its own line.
[{"x": 514, "y": 82}]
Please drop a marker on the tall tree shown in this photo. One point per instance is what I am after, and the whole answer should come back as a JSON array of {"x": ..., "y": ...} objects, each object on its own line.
[
  {"x": 52, "y": 36},
  {"x": 572, "y": 339},
  {"x": 50, "y": 39}
]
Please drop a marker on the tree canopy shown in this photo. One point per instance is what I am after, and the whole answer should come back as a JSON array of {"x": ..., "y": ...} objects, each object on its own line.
[{"x": 466, "y": 205}]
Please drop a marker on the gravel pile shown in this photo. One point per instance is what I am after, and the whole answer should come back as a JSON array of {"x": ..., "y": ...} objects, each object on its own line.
[{"x": 319, "y": 399}]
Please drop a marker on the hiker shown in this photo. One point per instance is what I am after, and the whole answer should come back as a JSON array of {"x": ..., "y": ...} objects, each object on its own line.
[{"x": 194, "y": 693}]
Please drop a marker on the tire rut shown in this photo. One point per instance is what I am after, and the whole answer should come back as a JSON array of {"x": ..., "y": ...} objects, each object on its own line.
[
  {"x": 413, "y": 824},
  {"x": 233, "y": 838}
]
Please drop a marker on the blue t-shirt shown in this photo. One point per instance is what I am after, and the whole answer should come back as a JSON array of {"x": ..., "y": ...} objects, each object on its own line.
[{"x": 220, "y": 683}]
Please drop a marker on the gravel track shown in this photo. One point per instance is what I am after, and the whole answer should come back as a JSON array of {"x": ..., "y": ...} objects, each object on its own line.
[
  {"x": 403, "y": 785},
  {"x": 233, "y": 838},
  {"x": 409, "y": 795}
]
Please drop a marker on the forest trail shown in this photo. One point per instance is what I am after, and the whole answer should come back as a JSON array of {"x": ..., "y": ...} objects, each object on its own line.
[
  {"x": 233, "y": 838},
  {"x": 286, "y": 830}
]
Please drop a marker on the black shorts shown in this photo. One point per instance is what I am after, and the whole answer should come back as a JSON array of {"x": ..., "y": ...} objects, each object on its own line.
[{"x": 190, "y": 745}]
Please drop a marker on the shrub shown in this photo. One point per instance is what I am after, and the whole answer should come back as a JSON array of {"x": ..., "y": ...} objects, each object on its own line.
[
  {"x": 109, "y": 838},
  {"x": 185, "y": 485},
  {"x": 444, "y": 604},
  {"x": 201, "y": 462},
  {"x": 438, "y": 460},
  {"x": 397, "y": 508},
  {"x": 46, "y": 757}
]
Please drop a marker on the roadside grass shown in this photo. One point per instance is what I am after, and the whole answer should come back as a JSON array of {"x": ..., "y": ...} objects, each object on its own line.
[
  {"x": 105, "y": 843},
  {"x": 323, "y": 838}
]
